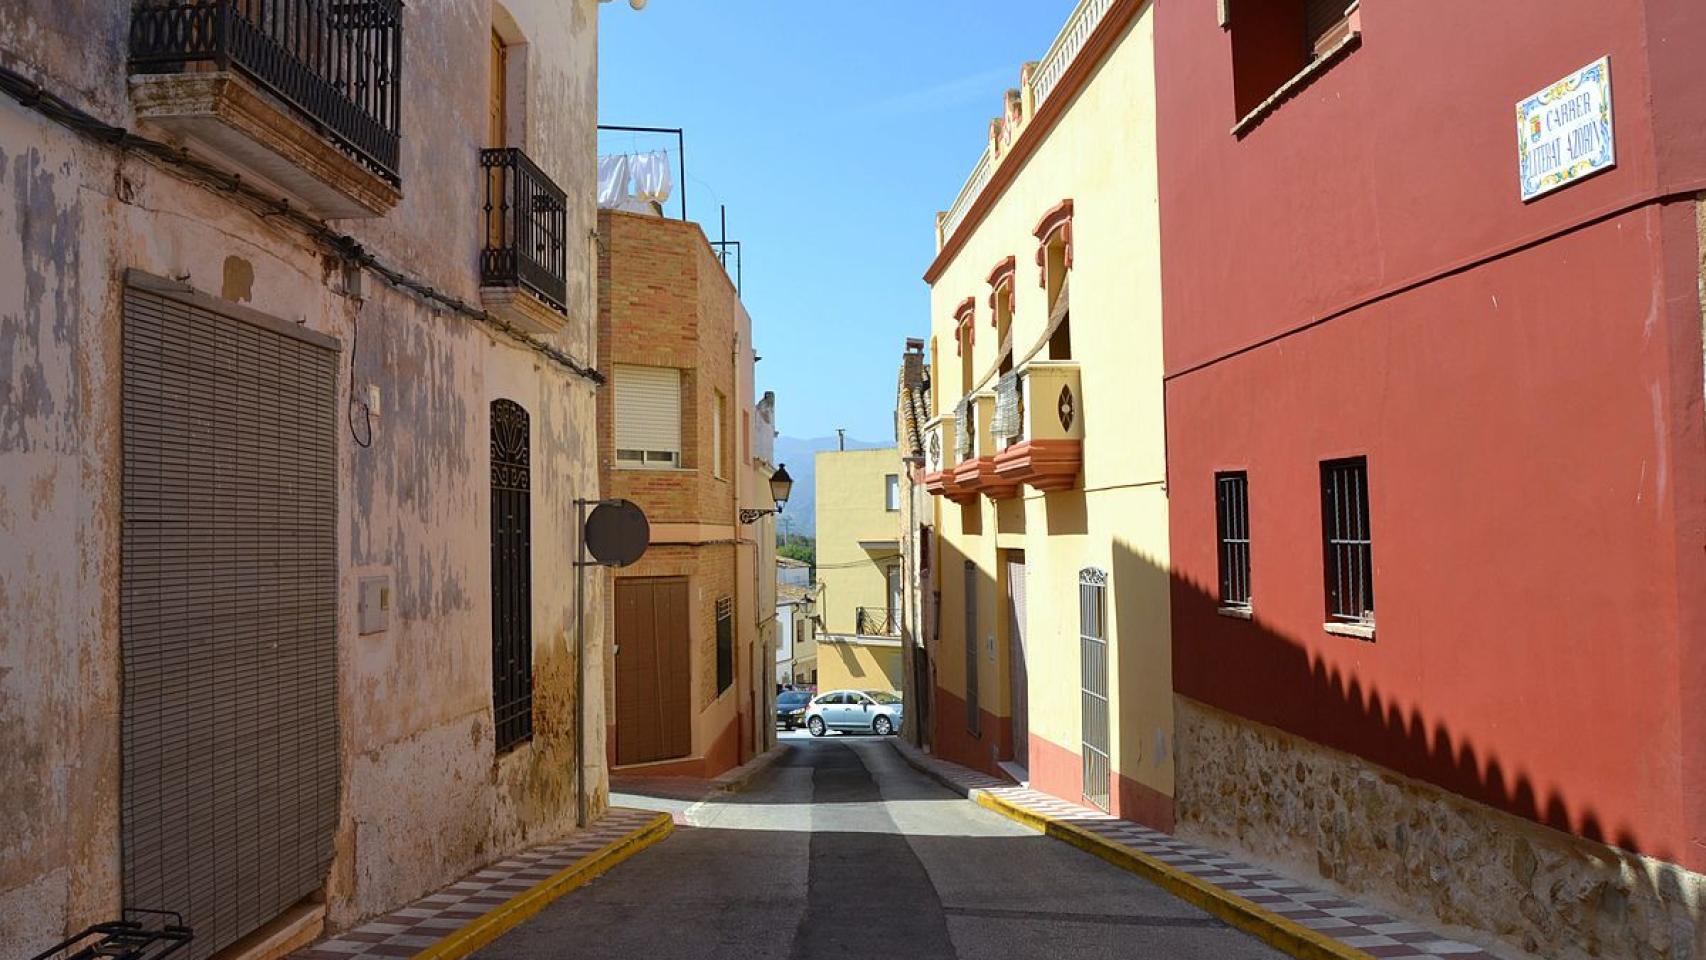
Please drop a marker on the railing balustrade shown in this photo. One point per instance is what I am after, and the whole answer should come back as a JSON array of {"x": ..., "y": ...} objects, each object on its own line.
[
  {"x": 526, "y": 227},
  {"x": 337, "y": 62}
]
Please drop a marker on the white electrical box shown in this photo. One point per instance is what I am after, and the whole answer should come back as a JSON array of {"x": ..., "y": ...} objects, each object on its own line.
[{"x": 374, "y": 615}]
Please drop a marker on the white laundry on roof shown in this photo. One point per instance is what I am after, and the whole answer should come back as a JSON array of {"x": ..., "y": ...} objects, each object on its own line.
[{"x": 636, "y": 182}]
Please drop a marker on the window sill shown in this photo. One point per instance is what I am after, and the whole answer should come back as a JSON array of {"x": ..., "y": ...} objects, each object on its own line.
[
  {"x": 636, "y": 468},
  {"x": 1303, "y": 78},
  {"x": 1236, "y": 613},
  {"x": 1362, "y": 631}
]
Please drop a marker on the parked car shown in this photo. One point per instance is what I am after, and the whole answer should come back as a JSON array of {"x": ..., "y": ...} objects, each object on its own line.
[
  {"x": 791, "y": 708},
  {"x": 855, "y": 711}
]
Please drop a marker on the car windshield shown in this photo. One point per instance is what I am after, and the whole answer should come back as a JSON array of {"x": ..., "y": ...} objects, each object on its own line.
[
  {"x": 792, "y": 698},
  {"x": 882, "y": 697}
]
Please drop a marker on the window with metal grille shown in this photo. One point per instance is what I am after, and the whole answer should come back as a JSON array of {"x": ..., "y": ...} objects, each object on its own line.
[
  {"x": 1093, "y": 684},
  {"x": 725, "y": 644},
  {"x": 1232, "y": 516},
  {"x": 1349, "y": 545},
  {"x": 512, "y": 577}
]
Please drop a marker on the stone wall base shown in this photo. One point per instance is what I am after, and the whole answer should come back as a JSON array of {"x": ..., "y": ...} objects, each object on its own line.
[{"x": 1474, "y": 873}]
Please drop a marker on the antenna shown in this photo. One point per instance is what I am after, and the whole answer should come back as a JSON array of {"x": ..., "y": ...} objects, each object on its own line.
[{"x": 841, "y": 439}]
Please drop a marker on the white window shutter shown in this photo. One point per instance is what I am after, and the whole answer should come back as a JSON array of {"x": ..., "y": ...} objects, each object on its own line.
[{"x": 648, "y": 410}]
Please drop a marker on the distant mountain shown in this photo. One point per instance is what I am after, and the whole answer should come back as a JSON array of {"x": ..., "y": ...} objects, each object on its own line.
[{"x": 799, "y": 456}]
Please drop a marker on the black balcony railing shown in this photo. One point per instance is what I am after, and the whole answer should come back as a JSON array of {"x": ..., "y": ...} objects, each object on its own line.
[
  {"x": 876, "y": 622},
  {"x": 336, "y": 61},
  {"x": 526, "y": 225}
]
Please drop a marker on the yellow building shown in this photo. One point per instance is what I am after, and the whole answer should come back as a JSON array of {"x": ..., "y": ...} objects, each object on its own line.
[
  {"x": 1046, "y": 449},
  {"x": 858, "y": 569}
]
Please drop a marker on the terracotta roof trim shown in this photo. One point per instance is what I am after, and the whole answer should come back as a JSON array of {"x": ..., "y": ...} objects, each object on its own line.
[{"x": 1083, "y": 67}]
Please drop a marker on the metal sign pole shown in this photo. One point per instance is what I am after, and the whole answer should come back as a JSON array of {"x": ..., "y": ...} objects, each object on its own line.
[{"x": 582, "y": 808}]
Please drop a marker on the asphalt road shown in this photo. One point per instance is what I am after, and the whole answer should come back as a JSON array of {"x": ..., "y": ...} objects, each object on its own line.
[{"x": 843, "y": 851}]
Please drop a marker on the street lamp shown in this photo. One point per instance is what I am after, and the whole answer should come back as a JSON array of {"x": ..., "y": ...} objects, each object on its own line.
[{"x": 780, "y": 486}]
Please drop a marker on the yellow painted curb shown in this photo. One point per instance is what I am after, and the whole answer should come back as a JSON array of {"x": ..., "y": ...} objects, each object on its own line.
[
  {"x": 477, "y": 933},
  {"x": 1272, "y": 929}
]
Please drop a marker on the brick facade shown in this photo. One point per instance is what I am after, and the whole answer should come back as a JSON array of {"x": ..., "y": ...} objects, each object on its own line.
[{"x": 664, "y": 300}]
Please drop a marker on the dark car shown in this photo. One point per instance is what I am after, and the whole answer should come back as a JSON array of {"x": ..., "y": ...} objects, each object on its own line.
[{"x": 791, "y": 708}]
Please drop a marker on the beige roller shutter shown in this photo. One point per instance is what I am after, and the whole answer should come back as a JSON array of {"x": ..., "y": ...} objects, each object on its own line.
[
  {"x": 648, "y": 415},
  {"x": 228, "y": 611}
]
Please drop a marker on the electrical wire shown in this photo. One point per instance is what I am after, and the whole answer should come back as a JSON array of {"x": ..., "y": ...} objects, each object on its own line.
[
  {"x": 179, "y": 161},
  {"x": 366, "y": 411}
]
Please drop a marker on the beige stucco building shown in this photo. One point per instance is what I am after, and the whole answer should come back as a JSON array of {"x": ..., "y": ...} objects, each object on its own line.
[
  {"x": 288, "y": 461},
  {"x": 1046, "y": 448},
  {"x": 858, "y": 569}
]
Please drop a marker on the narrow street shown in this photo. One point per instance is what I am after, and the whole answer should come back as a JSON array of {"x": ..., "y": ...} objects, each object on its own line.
[{"x": 842, "y": 850}]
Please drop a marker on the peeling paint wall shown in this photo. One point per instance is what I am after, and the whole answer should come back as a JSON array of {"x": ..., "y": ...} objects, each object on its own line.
[{"x": 423, "y": 796}]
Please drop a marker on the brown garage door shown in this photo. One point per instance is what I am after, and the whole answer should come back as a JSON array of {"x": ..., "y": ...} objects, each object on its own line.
[{"x": 652, "y": 658}]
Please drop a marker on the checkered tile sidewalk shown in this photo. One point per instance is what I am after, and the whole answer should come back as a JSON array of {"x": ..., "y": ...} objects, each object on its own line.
[
  {"x": 408, "y": 931},
  {"x": 1350, "y": 923}
]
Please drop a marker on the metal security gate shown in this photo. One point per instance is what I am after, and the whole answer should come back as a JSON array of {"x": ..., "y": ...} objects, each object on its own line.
[
  {"x": 512, "y": 576},
  {"x": 1093, "y": 682},
  {"x": 228, "y": 611},
  {"x": 974, "y": 720}
]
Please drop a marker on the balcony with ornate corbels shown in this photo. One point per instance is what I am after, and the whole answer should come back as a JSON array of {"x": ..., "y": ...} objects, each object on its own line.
[
  {"x": 976, "y": 470},
  {"x": 1040, "y": 426}
]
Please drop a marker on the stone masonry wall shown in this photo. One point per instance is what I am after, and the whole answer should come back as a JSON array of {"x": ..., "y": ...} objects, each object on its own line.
[{"x": 1404, "y": 845}]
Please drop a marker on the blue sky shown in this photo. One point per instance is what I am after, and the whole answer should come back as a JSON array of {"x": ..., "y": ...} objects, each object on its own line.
[{"x": 833, "y": 131}]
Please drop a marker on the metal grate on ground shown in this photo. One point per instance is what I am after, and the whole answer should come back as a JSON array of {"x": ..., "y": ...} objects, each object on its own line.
[
  {"x": 1330, "y": 914},
  {"x": 411, "y": 929}
]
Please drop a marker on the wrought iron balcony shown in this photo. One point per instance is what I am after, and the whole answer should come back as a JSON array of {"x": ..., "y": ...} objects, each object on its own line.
[
  {"x": 527, "y": 224},
  {"x": 876, "y": 622},
  {"x": 336, "y": 62}
]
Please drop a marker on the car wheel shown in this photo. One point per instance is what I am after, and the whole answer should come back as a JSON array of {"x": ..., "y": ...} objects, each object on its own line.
[
  {"x": 815, "y": 725},
  {"x": 882, "y": 726}
]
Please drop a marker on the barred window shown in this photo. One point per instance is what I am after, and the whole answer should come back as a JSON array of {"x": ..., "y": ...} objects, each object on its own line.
[
  {"x": 1232, "y": 513},
  {"x": 1349, "y": 545}
]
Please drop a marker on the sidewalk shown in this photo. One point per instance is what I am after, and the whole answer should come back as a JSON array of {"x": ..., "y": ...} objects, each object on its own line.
[
  {"x": 676, "y": 795},
  {"x": 473, "y": 911},
  {"x": 1284, "y": 913}
]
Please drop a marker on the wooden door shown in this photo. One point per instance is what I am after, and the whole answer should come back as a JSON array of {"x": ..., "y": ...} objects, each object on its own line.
[
  {"x": 497, "y": 123},
  {"x": 1018, "y": 674},
  {"x": 497, "y": 117},
  {"x": 653, "y": 718}
]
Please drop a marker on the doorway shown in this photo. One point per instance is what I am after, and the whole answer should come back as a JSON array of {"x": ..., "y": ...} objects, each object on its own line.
[
  {"x": 653, "y": 654},
  {"x": 1017, "y": 671}
]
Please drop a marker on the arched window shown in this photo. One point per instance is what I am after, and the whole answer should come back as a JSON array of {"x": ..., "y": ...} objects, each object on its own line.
[
  {"x": 512, "y": 576},
  {"x": 1054, "y": 261},
  {"x": 1001, "y": 311},
  {"x": 965, "y": 337}
]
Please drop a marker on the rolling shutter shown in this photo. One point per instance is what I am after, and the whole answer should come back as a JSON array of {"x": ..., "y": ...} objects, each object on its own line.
[
  {"x": 648, "y": 411},
  {"x": 228, "y": 612}
]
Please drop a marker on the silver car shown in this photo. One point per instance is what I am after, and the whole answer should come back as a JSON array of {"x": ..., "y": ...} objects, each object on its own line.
[{"x": 855, "y": 711}]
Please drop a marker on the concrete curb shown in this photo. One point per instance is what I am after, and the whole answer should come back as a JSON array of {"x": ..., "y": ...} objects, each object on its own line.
[
  {"x": 733, "y": 780},
  {"x": 475, "y": 934},
  {"x": 1287, "y": 936}
]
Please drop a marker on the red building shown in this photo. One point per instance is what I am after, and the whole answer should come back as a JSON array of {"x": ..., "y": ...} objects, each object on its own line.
[{"x": 1389, "y": 378}]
